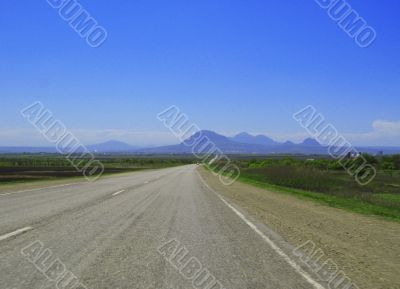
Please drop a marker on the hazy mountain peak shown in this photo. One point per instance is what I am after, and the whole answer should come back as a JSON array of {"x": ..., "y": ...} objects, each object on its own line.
[
  {"x": 243, "y": 134},
  {"x": 111, "y": 146},
  {"x": 114, "y": 142},
  {"x": 209, "y": 132},
  {"x": 247, "y": 138},
  {"x": 310, "y": 142},
  {"x": 213, "y": 136}
]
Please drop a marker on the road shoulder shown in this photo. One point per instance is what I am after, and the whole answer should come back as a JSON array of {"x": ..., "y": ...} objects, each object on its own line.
[{"x": 366, "y": 248}]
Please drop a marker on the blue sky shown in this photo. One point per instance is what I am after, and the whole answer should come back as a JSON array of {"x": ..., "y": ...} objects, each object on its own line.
[{"x": 230, "y": 65}]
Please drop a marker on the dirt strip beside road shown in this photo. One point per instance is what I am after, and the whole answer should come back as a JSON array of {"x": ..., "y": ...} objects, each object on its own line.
[{"x": 366, "y": 248}]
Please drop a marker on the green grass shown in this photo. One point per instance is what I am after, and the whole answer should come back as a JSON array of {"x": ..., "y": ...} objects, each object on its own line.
[
  {"x": 383, "y": 205},
  {"x": 390, "y": 197}
]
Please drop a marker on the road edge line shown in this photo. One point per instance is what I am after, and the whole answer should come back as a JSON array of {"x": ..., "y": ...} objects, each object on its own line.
[
  {"x": 15, "y": 233},
  {"x": 117, "y": 193},
  {"x": 38, "y": 189},
  {"x": 275, "y": 247}
]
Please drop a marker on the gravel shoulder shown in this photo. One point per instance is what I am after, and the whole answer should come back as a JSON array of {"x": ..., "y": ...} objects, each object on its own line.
[{"x": 366, "y": 248}]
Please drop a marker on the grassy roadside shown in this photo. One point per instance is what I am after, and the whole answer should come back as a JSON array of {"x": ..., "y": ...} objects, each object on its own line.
[{"x": 347, "y": 203}]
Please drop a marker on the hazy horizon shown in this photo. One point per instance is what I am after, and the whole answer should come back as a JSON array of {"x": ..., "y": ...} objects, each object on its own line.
[{"x": 160, "y": 138}]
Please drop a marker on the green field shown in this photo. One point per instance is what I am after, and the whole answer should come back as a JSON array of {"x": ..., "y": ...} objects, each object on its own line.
[
  {"x": 325, "y": 181},
  {"x": 24, "y": 168}
]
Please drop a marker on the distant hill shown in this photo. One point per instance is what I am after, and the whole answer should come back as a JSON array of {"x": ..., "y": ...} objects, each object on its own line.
[
  {"x": 112, "y": 146},
  {"x": 310, "y": 142},
  {"x": 245, "y": 137},
  {"x": 225, "y": 144}
]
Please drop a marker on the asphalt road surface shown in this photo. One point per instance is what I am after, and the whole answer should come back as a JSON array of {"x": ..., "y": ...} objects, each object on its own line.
[{"x": 160, "y": 229}]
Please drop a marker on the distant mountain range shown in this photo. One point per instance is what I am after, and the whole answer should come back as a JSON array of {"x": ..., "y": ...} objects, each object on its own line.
[{"x": 242, "y": 143}]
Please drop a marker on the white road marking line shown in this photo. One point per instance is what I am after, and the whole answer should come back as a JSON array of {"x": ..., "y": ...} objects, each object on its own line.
[
  {"x": 278, "y": 250},
  {"x": 146, "y": 182},
  {"x": 15, "y": 233},
  {"x": 117, "y": 193},
  {"x": 38, "y": 189}
]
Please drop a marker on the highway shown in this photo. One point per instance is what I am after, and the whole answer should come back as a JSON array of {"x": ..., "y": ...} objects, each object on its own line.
[{"x": 139, "y": 230}]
